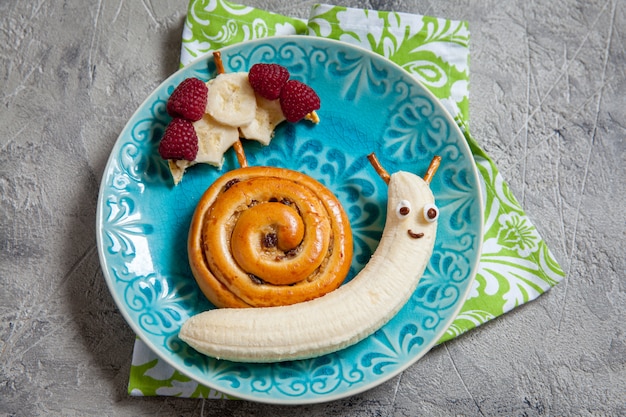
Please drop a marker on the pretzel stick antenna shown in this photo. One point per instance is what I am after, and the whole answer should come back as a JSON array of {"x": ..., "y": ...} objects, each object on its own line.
[
  {"x": 432, "y": 168},
  {"x": 238, "y": 146},
  {"x": 378, "y": 167}
]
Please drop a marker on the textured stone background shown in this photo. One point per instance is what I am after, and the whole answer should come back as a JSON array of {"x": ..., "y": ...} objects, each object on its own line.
[{"x": 548, "y": 90}]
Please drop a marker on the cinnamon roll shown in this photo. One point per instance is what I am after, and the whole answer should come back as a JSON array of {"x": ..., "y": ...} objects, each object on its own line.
[{"x": 265, "y": 236}]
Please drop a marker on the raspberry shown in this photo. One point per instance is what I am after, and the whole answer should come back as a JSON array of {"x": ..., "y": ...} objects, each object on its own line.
[
  {"x": 188, "y": 100},
  {"x": 268, "y": 79},
  {"x": 179, "y": 141},
  {"x": 297, "y": 100}
]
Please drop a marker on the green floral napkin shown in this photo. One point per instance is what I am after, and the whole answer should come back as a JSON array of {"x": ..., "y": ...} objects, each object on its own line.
[{"x": 515, "y": 267}]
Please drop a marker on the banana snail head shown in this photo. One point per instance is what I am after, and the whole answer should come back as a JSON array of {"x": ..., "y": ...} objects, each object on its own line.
[
  {"x": 412, "y": 204},
  {"x": 411, "y": 207}
]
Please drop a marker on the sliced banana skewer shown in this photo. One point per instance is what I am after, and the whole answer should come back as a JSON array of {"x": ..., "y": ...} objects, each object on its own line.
[
  {"x": 346, "y": 315},
  {"x": 233, "y": 111}
]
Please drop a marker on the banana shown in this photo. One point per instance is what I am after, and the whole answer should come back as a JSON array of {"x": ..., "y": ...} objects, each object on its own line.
[
  {"x": 214, "y": 139},
  {"x": 231, "y": 99},
  {"x": 232, "y": 107},
  {"x": 177, "y": 168},
  {"x": 268, "y": 115},
  {"x": 344, "y": 316}
]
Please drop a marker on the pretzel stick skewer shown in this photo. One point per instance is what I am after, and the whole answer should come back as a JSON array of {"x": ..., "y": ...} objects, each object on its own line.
[
  {"x": 238, "y": 146},
  {"x": 217, "y": 55},
  {"x": 241, "y": 155}
]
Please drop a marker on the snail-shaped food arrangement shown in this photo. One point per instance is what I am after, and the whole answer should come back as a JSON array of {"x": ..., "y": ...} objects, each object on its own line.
[
  {"x": 271, "y": 246},
  {"x": 341, "y": 317}
]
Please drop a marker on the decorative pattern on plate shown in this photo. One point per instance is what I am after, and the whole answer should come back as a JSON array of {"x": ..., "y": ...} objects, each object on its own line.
[{"x": 143, "y": 220}]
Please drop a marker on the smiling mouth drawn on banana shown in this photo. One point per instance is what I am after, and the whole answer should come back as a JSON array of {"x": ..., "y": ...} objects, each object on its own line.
[{"x": 346, "y": 315}]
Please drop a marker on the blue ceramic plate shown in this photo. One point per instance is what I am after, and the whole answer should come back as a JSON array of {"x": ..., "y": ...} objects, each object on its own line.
[{"x": 368, "y": 105}]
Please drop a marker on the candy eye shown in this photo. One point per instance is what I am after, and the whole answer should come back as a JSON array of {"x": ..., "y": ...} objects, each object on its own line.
[
  {"x": 431, "y": 212},
  {"x": 403, "y": 209}
]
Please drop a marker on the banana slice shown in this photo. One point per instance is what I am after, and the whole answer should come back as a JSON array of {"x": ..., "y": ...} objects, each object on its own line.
[
  {"x": 214, "y": 139},
  {"x": 178, "y": 168},
  {"x": 344, "y": 316},
  {"x": 231, "y": 99},
  {"x": 268, "y": 115}
]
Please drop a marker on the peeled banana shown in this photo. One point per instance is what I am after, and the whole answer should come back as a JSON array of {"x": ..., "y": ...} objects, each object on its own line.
[{"x": 344, "y": 316}]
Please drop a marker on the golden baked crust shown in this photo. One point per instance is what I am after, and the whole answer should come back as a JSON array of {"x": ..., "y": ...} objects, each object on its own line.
[{"x": 266, "y": 236}]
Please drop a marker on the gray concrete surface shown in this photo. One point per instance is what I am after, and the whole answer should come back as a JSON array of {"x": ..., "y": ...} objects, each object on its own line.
[{"x": 548, "y": 103}]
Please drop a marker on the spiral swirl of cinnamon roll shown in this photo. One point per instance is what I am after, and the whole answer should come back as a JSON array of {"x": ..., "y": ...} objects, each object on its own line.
[{"x": 265, "y": 236}]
